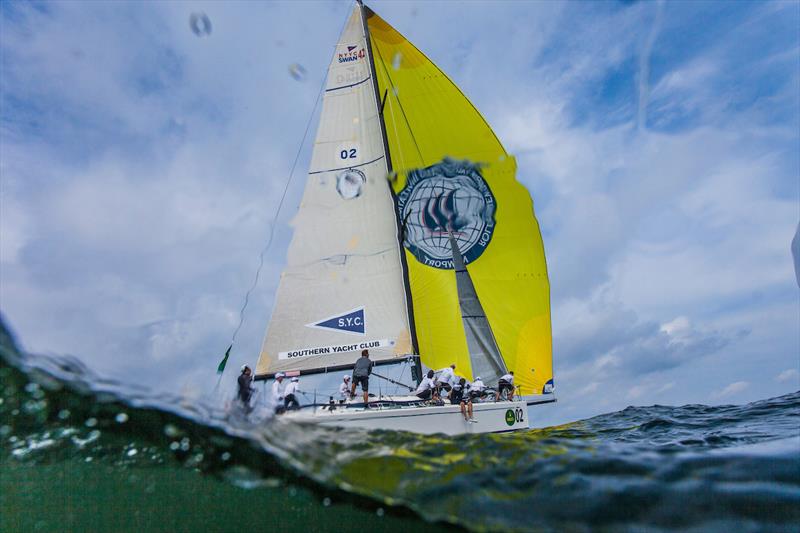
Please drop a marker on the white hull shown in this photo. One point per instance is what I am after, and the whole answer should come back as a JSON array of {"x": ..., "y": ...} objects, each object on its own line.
[{"x": 490, "y": 417}]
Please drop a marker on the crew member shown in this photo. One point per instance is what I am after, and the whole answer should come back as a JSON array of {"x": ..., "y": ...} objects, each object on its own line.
[
  {"x": 477, "y": 389},
  {"x": 344, "y": 388},
  {"x": 289, "y": 398},
  {"x": 506, "y": 385},
  {"x": 245, "y": 387},
  {"x": 361, "y": 372},
  {"x": 277, "y": 393},
  {"x": 459, "y": 395},
  {"x": 446, "y": 378},
  {"x": 426, "y": 387}
]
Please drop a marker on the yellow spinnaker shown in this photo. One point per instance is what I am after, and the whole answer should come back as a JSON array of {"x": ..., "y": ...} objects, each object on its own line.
[{"x": 427, "y": 120}]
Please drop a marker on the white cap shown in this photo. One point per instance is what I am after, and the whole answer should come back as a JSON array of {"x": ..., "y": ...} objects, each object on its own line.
[
  {"x": 244, "y": 367},
  {"x": 346, "y": 377},
  {"x": 477, "y": 378},
  {"x": 280, "y": 375},
  {"x": 295, "y": 379}
]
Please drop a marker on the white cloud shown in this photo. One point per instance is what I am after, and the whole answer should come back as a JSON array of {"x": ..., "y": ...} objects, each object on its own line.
[
  {"x": 732, "y": 389},
  {"x": 790, "y": 374}
]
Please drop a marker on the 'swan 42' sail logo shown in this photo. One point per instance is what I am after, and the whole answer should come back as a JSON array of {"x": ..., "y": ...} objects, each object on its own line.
[
  {"x": 448, "y": 197},
  {"x": 353, "y": 53}
]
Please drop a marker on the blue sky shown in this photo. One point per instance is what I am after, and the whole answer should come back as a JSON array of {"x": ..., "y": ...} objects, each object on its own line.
[{"x": 141, "y": 166}]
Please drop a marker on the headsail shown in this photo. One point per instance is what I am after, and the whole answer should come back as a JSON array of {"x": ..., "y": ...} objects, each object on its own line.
[
  {"x": 453, "y": 174},
  {"x": 342, "y": 288}
]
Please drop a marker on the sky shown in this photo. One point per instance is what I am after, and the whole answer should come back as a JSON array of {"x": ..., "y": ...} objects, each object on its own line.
[{"x": 142, "y": 163}]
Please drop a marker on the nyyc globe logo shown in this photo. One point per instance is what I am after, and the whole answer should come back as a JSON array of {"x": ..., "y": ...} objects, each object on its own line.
[{"x": 448, "y": 197}]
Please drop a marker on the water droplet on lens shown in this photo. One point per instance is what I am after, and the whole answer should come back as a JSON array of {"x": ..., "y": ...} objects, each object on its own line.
[
  {"x": 225, "y": 456},
  {"x": 396, "y": 60},
  {"x": 5, "y": 430},
  {"x": 121, "y": 418},
  {"x": 297, "y": 71},
  {"x": 379, "y": 511},
  {"x": 326, "y": 502},
  {"x": 132, "y": 452},
  {"x": 174, "y": 446},
  {"x": 88, "y": 459},
  {"x": 91, "y": 422},
  {"x": 185, "y": 444},
  {"x": 171, "y": 431},
  {"x": 200, "y": 24},
  {"x": 31, "y": 387},
  {"x": 63, "y": 414}
]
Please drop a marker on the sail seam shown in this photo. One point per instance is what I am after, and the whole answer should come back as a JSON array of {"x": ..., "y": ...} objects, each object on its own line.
[{"x": 345, "y": 168}]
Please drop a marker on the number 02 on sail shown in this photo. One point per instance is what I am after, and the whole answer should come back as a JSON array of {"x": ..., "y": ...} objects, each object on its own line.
[{"x": 413, "y": 238}]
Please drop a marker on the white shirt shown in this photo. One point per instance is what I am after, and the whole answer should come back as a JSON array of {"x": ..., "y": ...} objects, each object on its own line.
[
  {"x": 344, "y": 390},
  {"x": 277, "y": 395},
  {"x": 477, "y": 386},
  {"x": 507, "y": 377},
  {"x": 426, "y": 384},
  {"x": 446, "y": 375},
  {"x": 291, "y": 388}
]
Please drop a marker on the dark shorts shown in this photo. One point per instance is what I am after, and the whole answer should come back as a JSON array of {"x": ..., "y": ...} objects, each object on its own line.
[
  {"x": 424, "y": 395},
  {"x": 445, "y": 386},
  {"x": 475, "y": 395},
  {"x": 363, "y": 381},
  {"x": 455, "y": 399},
  {"x": 504, "y": 385},
  {"x": 290, "y": 402}
]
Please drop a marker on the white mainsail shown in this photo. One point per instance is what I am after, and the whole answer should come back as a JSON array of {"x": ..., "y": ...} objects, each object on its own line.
[{"x": 342, "y": 289}]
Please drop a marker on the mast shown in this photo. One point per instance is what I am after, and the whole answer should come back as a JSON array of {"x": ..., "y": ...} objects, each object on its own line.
[{"x": 379, "y": 102}]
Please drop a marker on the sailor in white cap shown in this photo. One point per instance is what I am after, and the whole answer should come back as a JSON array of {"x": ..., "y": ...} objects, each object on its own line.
[
  {"x": 277, "y": 392},
  {"x": 289, "y": 398},
  {"x": 344, "y": 388},
  {"x": 477, "y": 389}
]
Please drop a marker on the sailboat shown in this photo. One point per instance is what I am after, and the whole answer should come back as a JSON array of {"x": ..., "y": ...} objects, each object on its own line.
[{"x": 413, "y": 240}]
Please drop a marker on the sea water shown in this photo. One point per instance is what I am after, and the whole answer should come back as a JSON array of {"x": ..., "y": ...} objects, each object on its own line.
[{"x": 84, "y": 454}]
